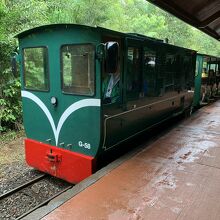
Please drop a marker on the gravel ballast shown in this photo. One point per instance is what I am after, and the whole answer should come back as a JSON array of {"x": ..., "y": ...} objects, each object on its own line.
[{"x": 15, "y": 172}]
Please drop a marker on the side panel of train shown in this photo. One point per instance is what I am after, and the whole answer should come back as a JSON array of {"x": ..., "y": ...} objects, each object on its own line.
[
  {"x": 70, "y": 117},
  {"x": 156, "y": 82}
]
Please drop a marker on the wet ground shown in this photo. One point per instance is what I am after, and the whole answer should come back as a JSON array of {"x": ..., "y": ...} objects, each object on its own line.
[{"x": 176, "y": 177}]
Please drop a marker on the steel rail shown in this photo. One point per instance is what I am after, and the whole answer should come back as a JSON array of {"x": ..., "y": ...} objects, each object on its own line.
[
  {"x": 43, "y": 203},
  {"x": 10, "y": 192}
]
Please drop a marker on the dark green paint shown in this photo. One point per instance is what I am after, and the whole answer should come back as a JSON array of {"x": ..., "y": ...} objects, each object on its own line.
[
  {"x": 84, "y": 124},
  {"x": 198, "y": 80},
  {"x": 88, "y": 124}
]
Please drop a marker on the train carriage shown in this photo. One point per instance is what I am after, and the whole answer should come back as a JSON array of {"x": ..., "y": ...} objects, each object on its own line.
[
  {"x": 87, "y": 89},
  {"x": 207, "y": 78}
]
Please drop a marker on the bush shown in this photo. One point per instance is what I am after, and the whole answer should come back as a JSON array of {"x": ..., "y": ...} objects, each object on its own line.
[
  {"x": 10, "y": 98},
  {"x": 10, "y": 102}
]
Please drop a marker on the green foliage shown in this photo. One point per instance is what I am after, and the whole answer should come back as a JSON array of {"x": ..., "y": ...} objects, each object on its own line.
[
  {"x": 10, "y": 104},
  {"x": 10, "y": 111},
  {"x": 10, "y": 135},
  {"x": 121, "y": 15}
]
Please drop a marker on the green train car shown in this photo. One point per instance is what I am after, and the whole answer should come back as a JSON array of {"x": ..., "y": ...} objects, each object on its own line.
[
  {"x": 87, "y": 89},
  {"x": 207, "y": 78}
]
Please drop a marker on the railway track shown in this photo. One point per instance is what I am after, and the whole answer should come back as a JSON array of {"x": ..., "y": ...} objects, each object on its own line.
[
  {"x": 7, "y": 200},
  {"x": 10, "y": 192}
]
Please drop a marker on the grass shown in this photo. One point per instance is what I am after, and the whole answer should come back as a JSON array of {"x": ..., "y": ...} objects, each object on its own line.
[
  {"x": 12, "y": 147},
  {"x": 10, "y": 135}
]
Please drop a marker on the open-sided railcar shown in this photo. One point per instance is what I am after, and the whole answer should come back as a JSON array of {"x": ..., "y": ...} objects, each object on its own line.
[{"x": 207, "y": 79}]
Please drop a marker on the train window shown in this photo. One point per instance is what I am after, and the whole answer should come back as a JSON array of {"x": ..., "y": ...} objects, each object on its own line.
[
  {"x": 36, "y": 68},
  {"x": 150, "y": 59},
  {"x": 170, "y": 70},
  {"x": 188, "y": 70},
  {"x": 149, "y": 73},
  {"x": 212, "y": 66},
  {"x": 78, "y": 69},
  {"x": 204, "y": 64},
  {"x": 133, "y": 73}
]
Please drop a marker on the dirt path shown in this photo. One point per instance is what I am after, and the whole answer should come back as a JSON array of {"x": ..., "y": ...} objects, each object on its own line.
[
  {"x": 12, "y": 150},
  {"x": 13, "y": 168}
]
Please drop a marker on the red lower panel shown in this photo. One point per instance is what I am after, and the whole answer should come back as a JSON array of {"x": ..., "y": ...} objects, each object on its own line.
[{"x": 70, "y": 166}]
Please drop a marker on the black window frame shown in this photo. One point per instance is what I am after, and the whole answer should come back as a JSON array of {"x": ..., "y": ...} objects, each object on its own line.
[
  {"x": 61, "y": 70},
  {"x": 140, "y": 73},
  {"x": 47, "y": 75},
  {"x": 152, "y": 74}
]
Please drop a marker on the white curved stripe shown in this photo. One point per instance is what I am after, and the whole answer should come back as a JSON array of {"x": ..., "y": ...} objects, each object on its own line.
[
  {"x": 72, "y": 108},
  {"x": 35, "y": 99},
  {"x": 75, "y": 106}
]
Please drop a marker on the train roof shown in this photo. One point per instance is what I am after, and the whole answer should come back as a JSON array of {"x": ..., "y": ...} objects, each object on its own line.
[
  {"x": 66, "y": 26},
  {"x": 207, "y": 55},
  {"x": 100, "y": 29}
]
